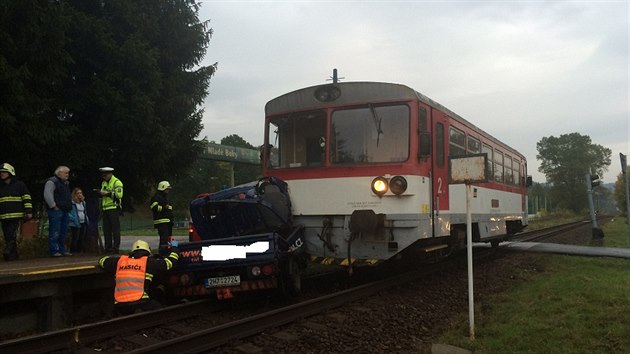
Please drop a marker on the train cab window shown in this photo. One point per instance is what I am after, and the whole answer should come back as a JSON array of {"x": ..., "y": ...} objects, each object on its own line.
[
  {"x": 509, "y": 174},
  {"x": 498, "y": 166},
  {"x": 370, "y": 134},
  {"x": 457, "y": 142},
  {"x": 473, "y": 145},
  {"x": 297, "y": 140},
  {"x": 487, "y": 149}
]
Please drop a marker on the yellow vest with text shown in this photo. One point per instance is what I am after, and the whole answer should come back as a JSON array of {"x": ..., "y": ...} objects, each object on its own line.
[{"x": 130, "y": 276}]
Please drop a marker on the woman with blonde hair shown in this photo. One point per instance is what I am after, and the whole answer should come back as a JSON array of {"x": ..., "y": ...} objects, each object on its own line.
[{"x": 78, "y": 221}]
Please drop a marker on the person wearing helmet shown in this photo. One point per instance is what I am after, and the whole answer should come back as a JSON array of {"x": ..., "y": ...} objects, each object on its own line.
[
  {"x": 15, "y": 205},
  {"x": 111, "y": 194},
  {"x": 162, "y": 212},
  {"x": 134, "y": 274}
]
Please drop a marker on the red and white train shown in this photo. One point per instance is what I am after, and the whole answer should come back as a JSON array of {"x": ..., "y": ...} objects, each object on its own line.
[{"x": 367, "y": 165}]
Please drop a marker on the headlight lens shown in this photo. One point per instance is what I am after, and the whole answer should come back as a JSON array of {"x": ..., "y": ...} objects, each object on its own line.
[
  {"x": 327, "y": 93},
  {"x": 379, "y": 186},
  {"x": 398, "y": 185}
]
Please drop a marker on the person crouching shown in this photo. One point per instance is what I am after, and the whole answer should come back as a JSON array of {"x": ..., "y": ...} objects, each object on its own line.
[{"x": 134, "y": 274}]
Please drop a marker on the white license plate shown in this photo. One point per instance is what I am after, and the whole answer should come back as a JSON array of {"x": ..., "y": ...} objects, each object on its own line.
[{"x": 222, "y": 281}]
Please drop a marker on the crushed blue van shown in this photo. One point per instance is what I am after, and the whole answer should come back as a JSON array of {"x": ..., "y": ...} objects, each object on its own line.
[{"x": 241, "y": 239}]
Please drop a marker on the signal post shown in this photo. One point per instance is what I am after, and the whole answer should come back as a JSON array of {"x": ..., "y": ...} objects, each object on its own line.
[
  {"x": 468, "y": 170},
  {"x": 593, "y": 181}
]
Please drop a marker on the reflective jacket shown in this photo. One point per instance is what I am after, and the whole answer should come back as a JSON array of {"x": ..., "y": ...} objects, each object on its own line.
[
  {"x": 15, "y": 200},
  {"x": 162, "y": 211},
  {"x": 130, "y": 277},
  {"x": 135, "y": 274},
  {"x": 114, "y": 189}
]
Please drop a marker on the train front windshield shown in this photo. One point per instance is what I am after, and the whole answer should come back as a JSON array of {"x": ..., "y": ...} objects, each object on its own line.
[{"x": 359, "y": 135}]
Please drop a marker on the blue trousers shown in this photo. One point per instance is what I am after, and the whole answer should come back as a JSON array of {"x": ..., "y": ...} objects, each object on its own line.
[{"x": 57, "y": 231}]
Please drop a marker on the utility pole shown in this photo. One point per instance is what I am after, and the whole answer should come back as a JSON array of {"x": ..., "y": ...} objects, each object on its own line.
[{"x": 624, "y": 171}]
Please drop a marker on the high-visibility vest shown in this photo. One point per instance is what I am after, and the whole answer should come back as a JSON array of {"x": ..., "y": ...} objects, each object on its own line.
[
  {"x": 130, "y": 276},
  {"x": 114, "y": 189}
]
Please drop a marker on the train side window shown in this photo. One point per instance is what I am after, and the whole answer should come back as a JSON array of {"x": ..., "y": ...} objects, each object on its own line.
[
  {"x": 509, "y": 177},
  {"x": 439, "y": 145},
  {"x": 487, "y": 149},
  {"x": 457, "y": 142},
  {"x": 424, "y": 138},
  {"x": 473, "y": 145},
  {"x": 498, "y": 166}
]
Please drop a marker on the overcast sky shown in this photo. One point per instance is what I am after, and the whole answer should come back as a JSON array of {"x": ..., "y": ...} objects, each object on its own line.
[{"x": 519, "y": 70}]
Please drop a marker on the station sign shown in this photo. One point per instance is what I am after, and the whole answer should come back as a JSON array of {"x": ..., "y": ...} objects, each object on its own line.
[{"x": 232, "y": 154}]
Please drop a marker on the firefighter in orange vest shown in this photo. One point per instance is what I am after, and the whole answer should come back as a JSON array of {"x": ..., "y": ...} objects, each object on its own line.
[{"x": 134, "y": 274}]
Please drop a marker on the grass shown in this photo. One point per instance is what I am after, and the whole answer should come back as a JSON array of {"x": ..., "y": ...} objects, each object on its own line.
[
  {"x": 552, "y": 220},
  {"x": 577, "y": 305}
]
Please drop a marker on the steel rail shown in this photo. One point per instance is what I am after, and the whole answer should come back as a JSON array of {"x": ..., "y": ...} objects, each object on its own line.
[
  {"x": 208, "y": 339},
  {"x": 67, "y": 339},
  {"x": 76, "y": 337},
  {"x": 216, "y": 336}
]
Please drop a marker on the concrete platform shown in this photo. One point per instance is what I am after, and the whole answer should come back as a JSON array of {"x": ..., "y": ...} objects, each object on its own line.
[
  {"x": 68, "y": 266},
  {"x": 588, "y": 251},
  {"x": 49, "y": 293}
]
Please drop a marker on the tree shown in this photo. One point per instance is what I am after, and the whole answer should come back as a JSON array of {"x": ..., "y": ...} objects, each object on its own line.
[
  {"x": 620, "y": 192},
  {"x": 565, "y": 161},
  {"x": 93, "y": 83}
]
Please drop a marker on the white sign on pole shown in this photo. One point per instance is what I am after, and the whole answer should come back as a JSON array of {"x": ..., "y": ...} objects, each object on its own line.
[{"x": 467, "y": 170}]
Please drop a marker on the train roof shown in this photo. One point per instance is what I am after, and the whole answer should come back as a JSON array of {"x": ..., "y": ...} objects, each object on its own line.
[{"x": 359, "y": 92}]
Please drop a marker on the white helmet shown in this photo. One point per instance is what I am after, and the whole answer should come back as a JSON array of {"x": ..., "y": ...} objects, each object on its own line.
[{"x": 164, "y": 185}]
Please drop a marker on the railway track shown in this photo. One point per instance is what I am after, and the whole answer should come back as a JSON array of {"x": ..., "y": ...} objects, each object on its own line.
[{"x": 137, "y": 332}]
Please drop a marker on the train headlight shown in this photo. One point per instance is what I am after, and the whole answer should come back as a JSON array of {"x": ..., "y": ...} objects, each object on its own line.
[
  {"x": 327, "y": 93},
  {"x": 398, "y": 185},
  {"x": 379, "y": 186}
]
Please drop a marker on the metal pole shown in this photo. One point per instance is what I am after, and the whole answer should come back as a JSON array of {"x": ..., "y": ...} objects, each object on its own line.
[
  {"x": 471, "y": 301},
  {"x": 231, "y": 174},
  {"x": 624, "y": 171}
]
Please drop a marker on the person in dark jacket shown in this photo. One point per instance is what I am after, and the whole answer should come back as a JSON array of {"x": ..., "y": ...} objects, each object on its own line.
[
  {"x": 59, "y": 203},
  {"x": 15, "y": 206},
  {"x": 162, "y": 212},
  {"x": 134, "y": 274}
]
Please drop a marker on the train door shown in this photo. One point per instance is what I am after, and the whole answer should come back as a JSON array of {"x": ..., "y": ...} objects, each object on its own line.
[{"x": 440, "y": 174}]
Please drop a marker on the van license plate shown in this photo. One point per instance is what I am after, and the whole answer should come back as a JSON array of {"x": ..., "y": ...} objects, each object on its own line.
[{"x": 222, "y": 281}]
